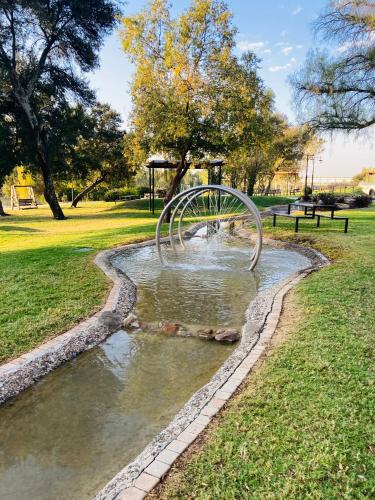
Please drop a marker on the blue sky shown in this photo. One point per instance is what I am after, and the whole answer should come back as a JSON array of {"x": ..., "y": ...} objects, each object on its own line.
[{"x": 280, "y": 33}]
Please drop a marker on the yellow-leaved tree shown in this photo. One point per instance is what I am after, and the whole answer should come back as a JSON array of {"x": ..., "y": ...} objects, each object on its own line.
[{"x": 177, "y": 91}]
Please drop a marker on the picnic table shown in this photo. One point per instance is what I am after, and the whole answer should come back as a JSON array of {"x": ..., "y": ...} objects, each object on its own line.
[
  {"x": 309, "y": 210},
  {"x": 311, "y": 207},
  {"x": 127, "y": 197}
]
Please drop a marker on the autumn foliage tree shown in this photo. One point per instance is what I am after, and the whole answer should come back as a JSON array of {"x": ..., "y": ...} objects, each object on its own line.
[
  {"x": 98, "y": 154},
  {"x": 280, "y": 147},
  {"x": 175, "y": 91}
]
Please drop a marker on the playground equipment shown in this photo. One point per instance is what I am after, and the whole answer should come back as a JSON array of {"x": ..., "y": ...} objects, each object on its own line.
[
  {"x": 212, "y": 211},
  {"x": 22, "y": 192},
  {"x": 22, "y": 196}
]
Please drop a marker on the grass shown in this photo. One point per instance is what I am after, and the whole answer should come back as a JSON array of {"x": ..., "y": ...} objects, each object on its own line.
[
  {"x": 303, "y": 426},
  {"x": 48, "y": 285}
]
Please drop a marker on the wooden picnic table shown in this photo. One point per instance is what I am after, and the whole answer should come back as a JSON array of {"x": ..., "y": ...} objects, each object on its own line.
[{"x": 311, "y": 207}]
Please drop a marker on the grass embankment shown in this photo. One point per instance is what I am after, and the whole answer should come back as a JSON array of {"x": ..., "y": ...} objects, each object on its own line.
[
  {"x": 47, "y": 284},
  {"x": 303, "y": 426}
]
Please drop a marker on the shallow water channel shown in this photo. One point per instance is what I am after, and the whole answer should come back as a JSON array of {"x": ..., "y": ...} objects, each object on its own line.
[{"x": 68, "y": 435}]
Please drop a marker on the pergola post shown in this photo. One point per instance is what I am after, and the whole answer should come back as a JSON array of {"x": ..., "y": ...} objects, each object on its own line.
[
  {"x": 153, "y": 190},
  {"x": 149, "y": 188}
]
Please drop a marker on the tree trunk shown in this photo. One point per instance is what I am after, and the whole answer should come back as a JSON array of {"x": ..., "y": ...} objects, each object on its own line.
[
  {"x": 41, "y": 153},
  {"x": 87, "y": 190},
  {"x": 234, "y": 179},
  {"x": 267, "y": 190},
  {"x": 2, "y": 213},
  {"x": 175, "y": 182},
  {"x": 251, "y": 180},
  {"x": 50, "y": 193}
]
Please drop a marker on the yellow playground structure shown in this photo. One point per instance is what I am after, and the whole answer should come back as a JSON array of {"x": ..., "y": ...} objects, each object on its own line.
[{"x": 22, "y": 194}]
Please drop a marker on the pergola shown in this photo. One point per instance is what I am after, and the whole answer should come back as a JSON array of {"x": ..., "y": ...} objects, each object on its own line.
[{"x": 211, "y": 165}]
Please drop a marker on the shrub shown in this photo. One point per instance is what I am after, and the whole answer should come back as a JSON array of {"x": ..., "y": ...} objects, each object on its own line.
[
  {"x": 116, "y": 194},
  {"x": 328, "y": 198},
  {"x": 358, "y": 201},
  {"x": 143, "y": 190},
  {"x": 97, "y": 194},
  {"x": 362, "y": 201}
]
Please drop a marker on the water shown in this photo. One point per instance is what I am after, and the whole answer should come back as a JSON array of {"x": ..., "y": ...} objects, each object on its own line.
[{"x": 67, "y": 436}]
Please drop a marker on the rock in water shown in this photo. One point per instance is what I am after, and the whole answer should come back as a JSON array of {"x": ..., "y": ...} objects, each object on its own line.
[
  {"x": 206, "y": 334},
  {"x": 227, "y": 336},
  {"x": 170, "y": 328},
  {"x": 129, "y": 320},
  {"x": 132, "y": 323},
  {"x": 183, "y": 332},
  {"x": 111, "y": 320}
]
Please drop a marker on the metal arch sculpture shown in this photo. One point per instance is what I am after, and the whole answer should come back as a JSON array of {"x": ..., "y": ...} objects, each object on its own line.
[{"x": 186, "y": 201}]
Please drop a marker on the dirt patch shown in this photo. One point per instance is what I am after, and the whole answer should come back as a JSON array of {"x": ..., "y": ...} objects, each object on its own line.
[{"x": 290, "y": 315}]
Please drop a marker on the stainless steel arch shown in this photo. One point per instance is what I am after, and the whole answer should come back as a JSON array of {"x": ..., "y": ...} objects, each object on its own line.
[
  {"x": 180, "y": 233},
  {"x": 196, "y": 191},
  {"x": 173, "y": 216}
]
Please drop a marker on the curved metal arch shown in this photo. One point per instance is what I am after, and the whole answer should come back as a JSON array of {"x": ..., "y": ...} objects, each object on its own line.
[
  {"x": 249, "y": 204},
  {"x": 173, "y": 216},
  {"x": 192, "y": 198},
  {"x": 182, "y": 213}
]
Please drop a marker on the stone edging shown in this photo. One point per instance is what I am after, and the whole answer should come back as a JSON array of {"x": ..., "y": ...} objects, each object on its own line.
[{"x": 137, "y": 479}]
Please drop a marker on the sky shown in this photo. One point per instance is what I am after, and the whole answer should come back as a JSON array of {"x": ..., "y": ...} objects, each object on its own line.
[{"x": 280, "y": 33}]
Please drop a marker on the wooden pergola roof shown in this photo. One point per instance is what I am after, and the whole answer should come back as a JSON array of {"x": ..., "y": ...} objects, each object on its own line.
[{"x": 197, "y": 166}]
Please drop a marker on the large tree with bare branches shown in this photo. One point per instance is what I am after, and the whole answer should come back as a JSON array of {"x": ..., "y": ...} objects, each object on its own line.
[
  {"x": 336, "y": 90},
  {"x": 45, "y": 45}
]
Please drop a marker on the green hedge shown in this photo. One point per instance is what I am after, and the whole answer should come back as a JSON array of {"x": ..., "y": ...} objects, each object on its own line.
[{"x": 116, "y": 194}]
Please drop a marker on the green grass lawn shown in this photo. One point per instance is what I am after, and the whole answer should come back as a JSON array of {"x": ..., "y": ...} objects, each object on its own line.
[
  {"x": 47, "y": 285},
  {"x": 304, "y": 424}
]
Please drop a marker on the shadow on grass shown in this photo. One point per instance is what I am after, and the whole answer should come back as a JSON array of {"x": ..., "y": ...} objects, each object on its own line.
[
  {"x": 22, "y": 229},
  {"x": 102, "y": 215}
]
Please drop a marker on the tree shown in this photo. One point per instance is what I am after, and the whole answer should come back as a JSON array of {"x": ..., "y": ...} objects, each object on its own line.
[
  {"x": 44, "y": 45},
  {"x": 366, "y": 175},
  {"x": 246, "y": 117},
  {"x": 337, "y": 92},
  {"x": 287, "y": 150},
  {"x": 175, "y": 90},
  {"x": 280, "y": 148},
  {"x": 8, "y": 157},
  {"x": 99, "y": 153}
]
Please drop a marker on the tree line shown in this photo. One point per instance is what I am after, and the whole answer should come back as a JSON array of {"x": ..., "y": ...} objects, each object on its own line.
[{"x": 192, "y": 97}]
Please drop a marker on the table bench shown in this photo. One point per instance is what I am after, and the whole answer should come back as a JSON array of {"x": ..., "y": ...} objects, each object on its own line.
[
  {"x": 291, "y": 216},
  {"x": 310, "y": 208},
  {"x": 333, "y": 217}
]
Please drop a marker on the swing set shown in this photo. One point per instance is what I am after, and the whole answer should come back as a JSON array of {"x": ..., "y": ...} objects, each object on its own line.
[{"x": 22, "y": 197}]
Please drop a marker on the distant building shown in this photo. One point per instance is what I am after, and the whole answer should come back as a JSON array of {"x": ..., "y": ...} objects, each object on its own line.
[{"x": 368, "y": 183}]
